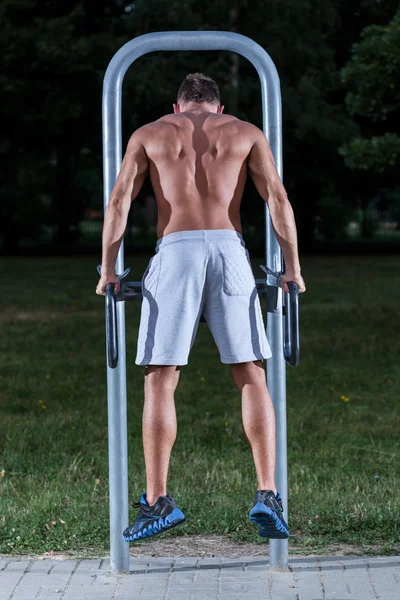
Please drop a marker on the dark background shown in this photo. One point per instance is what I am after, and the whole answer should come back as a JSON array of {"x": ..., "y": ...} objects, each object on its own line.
[{"x": 339, "y": 65}]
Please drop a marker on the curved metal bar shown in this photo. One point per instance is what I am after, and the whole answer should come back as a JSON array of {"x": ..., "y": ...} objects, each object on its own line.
[
  {"x": 112, "y": 158},
  {"x": 187, "y": 40},
  {"x": 291, "y": 343},
  {"x": 111, "y": 326}
]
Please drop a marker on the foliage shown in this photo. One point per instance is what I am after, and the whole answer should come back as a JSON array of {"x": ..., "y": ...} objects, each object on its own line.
[
  {"x": 52, "y": 62},
  {"x": 378, "y": 152},
  {"x": 53, "y": 59},
  {"x": 372, "y": 77}
]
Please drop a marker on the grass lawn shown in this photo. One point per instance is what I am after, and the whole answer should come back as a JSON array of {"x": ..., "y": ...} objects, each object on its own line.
[{"x": 342, "y": 409}]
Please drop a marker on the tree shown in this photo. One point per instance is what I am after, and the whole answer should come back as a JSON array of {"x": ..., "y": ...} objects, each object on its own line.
[
  {"x": 372, "y": 80},
  {"x": 372, "y": 77},
  {"x": 53, "y": 58},
  {"x": 299, "y": 38}
]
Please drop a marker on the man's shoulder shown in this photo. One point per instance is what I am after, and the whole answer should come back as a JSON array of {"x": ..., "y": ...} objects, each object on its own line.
[
  {"x": 249, "y": 128},
  {"x": 167, "y": 123},
  {"x": 149, "y": 129},
  {"x": 240, "y": 126}
]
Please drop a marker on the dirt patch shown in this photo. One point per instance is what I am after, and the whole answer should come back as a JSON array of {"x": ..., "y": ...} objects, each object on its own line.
[
  {"x": 220, "y": 546},
  {"x": 216, "y": 546}
]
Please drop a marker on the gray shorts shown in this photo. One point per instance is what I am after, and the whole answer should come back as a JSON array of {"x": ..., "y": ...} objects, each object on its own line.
[{"x": 197, "y": 272}]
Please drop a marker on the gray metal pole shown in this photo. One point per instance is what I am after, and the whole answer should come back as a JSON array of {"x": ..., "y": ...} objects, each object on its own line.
[
  {"x": 116, "y": 378},
  {"x": 112, "y": 155},
  {"x": 276, "y": 365}
]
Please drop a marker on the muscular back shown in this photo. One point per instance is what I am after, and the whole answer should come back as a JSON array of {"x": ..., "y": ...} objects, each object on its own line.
[
  {"x": 198, "y": 164},
  {"x": 198, "y": 168}
]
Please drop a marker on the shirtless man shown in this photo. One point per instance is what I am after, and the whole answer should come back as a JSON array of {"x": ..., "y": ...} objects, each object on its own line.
[{"x": 198, "y": 160}]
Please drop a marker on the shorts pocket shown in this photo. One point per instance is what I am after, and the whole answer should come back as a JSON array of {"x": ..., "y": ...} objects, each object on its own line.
[
  {"x": 151, "y": 276},
  {"x": 238, "y": 274}
]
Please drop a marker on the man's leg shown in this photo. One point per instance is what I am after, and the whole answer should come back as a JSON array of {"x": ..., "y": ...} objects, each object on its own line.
[
  {"x": 258, "y": 419},
  {"x": 159, "y": 426}
]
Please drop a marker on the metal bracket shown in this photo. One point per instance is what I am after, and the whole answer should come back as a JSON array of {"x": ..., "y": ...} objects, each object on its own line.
[
  {"x": 272, "y": 282},
  {"x": 272, "y": 278}
]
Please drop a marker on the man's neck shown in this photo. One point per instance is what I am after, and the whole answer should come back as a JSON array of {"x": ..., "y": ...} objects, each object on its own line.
[{"x": 197, "y": 108}]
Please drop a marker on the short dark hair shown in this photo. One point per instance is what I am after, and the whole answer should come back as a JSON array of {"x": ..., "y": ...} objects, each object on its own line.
[{"x": 197, "y": 87}]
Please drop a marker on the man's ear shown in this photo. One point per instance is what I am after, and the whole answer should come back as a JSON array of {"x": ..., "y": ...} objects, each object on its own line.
[
  {"x": 177, "y": 109},
  {"x": 220, "y": 109}
]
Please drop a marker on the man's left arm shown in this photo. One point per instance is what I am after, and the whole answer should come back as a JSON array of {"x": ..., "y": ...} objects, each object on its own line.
[{"x": 130, "y": 179}]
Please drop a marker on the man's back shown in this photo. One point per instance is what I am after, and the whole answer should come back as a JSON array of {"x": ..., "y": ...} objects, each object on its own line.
[
  {"x": 198, "y": 169},
  {"x": 198, "y": 160}
]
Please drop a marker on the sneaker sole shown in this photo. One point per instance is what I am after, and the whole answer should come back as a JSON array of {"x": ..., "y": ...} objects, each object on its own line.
[
  {"x": 270, "y": 524},
  {"x": 163, "y": 524}
]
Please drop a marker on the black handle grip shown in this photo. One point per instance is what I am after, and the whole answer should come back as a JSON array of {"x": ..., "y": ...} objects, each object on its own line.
[
  {"x": 111, "y": 326},
  {"x": 291, "y": 342}
]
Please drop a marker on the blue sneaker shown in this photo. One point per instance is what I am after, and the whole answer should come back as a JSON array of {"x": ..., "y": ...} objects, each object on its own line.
[
  {"x": 267, "y": 512},
  {"x": 159, "y": 517}
]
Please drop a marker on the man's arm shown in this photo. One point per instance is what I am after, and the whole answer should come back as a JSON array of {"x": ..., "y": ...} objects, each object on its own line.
[
  {"x": 266, "y": 178},
  {"x": 130, "y": 179}
]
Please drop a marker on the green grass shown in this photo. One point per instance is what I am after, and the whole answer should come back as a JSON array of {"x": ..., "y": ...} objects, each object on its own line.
[{"x": 343, "y": 457}]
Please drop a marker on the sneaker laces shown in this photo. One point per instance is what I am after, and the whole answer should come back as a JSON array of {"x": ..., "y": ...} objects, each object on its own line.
[{"x": 278, "y": 500}]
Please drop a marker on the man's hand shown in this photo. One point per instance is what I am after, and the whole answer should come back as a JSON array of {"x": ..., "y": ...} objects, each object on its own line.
[
  {"x": 104, "y": 281},
  {"x": 295, "y": 278}
]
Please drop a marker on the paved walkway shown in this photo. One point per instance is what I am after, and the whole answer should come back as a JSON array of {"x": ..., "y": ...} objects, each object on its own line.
[{"x": 325, "y": 578}]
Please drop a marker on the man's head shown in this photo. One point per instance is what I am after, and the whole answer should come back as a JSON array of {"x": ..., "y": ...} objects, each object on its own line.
[{"x": 197, "y": 91}]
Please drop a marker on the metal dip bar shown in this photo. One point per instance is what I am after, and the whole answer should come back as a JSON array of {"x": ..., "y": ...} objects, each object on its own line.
[
  {"x": 132, "y": 290},
  {"x": 281, "y": 311}
]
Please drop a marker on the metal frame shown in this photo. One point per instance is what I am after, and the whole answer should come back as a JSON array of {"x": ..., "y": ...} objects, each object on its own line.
[{"x": 116, "y": 377}]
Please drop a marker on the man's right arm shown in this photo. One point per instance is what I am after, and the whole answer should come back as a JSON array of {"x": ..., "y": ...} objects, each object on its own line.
[{"x": 261, "y": 166}]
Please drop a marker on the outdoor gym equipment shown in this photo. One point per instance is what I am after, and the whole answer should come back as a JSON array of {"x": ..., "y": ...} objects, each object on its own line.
[
  {"x": 132, "y": 290},
  {"x": 284, "y": 341}
]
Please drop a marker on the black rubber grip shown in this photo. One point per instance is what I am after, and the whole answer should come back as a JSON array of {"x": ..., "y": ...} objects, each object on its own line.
[
  {"x": 291, "y": 342},
  {"x": 111, "y": 326}
]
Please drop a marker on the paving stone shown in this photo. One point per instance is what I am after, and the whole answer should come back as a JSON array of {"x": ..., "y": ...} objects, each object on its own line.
[
  {"x": 3, "y": 563},
  {"x": 260, "y": 596},
  {"x": 283, "y": 585},
  {"x": 191, "y": 578},
  {"x": 336, "y": 588},
  {"x": 50, "y": 596},
  {"x": 196, "y": 595},
  {"x": 258, "y": 565},
  {"x": 27, "y": 594},
  {"x": 307, "y": 578},
  {"x": 17, "y": 566},
  {"x": 145, "y": 596},
  {"x": 64, "y": 566},
  {"x": 89, "y": 565},
  {"x": 385, "y": 577},
  {"x": 187, "y": 563},
  {"x": 348, "y": 579},
  {"x": 8, "y": 582},
  {"x": 42, "y": 566}
]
